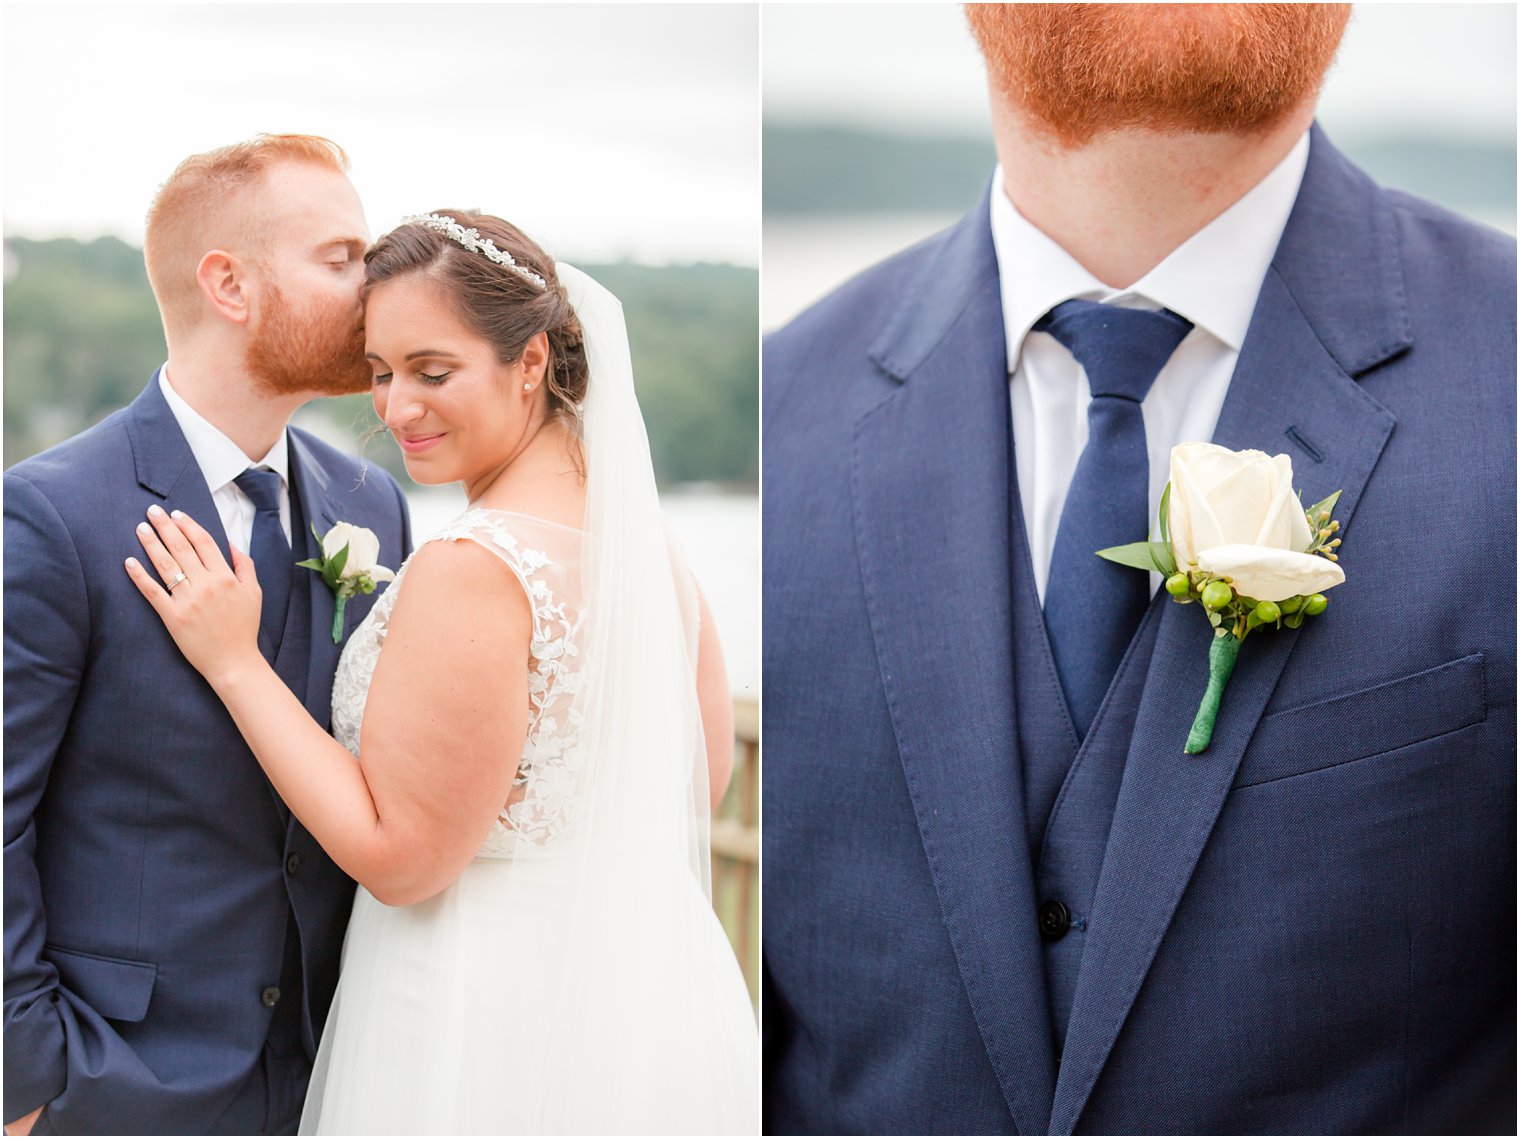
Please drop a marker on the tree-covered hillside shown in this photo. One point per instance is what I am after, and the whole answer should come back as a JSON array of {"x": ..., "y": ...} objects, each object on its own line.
[
  {"x": 82, "y": 337},
  {"x": 821, "y": 170}
]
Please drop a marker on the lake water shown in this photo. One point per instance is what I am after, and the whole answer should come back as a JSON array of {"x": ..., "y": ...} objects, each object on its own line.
[
  {"x": 721, "y": 536},
  {"x": 808, "y": 255}
]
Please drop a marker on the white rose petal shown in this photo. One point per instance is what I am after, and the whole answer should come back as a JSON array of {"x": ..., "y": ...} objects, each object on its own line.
[
  {"x": 1226, "y": 498},
  {"x": 1301, "y": 536},
  {"x": 1286, "y": 525},
  {"x": 1188, "y": 515},
  {"x": 1271, "y": 575},
  {"x": 363, "y": 551},
  {"x": 1241, "y": 502},
  {"x": 1211, "y": 487}
]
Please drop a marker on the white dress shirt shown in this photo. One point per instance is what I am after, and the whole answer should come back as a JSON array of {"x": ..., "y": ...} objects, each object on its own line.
[
  {"x": 221, "y": 461},
  {"x": 1212, "y": 279}
]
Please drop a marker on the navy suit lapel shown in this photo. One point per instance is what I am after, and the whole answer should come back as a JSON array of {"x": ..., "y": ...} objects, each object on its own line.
[
  {"x": 1293, "y": 391},
  {"x": 930, "y": 491},
  {"x": 166, "y": 466},
  {"x": 314, "y": 487}
]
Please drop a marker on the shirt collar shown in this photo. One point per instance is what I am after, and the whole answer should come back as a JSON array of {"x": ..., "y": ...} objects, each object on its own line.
[
  {"x": 1212, "y": 278},
  {"x": 219, "y": 458}
]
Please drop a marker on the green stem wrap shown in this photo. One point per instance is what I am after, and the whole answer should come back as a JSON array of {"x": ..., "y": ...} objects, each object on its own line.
[
  {"x": 1222, "y": 653},
  {"x": 338, "y": 619}
]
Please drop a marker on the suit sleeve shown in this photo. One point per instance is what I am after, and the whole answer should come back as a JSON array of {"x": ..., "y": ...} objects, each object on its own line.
[
  {"x": 772, "y": 1044},
  {"x": 46, "y": 637}
]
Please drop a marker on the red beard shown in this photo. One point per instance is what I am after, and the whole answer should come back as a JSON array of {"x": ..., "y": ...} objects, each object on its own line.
[
  {"x": 320, "y": 352},
  {"x": 1077, "y": 70}
]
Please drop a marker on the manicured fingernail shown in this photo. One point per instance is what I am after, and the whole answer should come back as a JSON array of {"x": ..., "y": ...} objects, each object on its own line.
[
  {"x": 144, "y": 528},
  {"x": 155, "y": 510},
  {"x": 176, "y": 514},
  {"x": 132, "y": 562}
]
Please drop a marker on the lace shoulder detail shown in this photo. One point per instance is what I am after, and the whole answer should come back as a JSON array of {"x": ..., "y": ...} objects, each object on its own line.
[{"x": 545, "y": 559}]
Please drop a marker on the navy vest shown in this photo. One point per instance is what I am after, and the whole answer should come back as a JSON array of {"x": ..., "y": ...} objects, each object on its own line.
[{"x": 1069, "y": 792}]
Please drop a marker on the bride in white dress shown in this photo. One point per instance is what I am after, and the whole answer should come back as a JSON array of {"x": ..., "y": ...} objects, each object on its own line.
[{"x": 532, "y": 948}]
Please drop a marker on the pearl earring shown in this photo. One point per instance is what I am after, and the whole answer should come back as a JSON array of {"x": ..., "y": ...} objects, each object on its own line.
[{"x": 527, "y": 387}]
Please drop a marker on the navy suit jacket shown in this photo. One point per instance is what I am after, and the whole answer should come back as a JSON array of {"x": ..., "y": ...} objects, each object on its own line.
[
  {"x": 148, "y": 868},
  {"x": 1310, "y": 927}
]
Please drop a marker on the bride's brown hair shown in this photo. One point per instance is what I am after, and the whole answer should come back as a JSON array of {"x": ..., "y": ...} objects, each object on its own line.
[{"x": 500, "y": 306}]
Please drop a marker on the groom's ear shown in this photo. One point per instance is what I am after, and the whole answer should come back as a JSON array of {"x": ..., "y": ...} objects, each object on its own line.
[{"x": 223, "y": 279}]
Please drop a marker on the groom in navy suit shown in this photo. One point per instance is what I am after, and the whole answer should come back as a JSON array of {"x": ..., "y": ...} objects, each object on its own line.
[
  {"x": 172, "y": 933},
  {"x": 999, "y": 898}
]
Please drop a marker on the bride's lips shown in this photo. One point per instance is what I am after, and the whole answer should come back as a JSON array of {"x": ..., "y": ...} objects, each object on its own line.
[{"x": 413, "y": 444}]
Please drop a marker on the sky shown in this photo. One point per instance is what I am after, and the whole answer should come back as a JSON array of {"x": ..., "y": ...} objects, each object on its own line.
[
  {"x": 605, "y": 131},
  {"x": 913, "y": 67}
]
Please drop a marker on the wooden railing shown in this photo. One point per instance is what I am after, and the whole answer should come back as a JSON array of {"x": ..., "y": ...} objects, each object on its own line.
[{"x": 736, "y": 845}]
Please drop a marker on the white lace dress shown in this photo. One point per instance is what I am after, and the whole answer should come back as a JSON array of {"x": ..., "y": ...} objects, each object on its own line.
[{"x": 451, "y": 1016}]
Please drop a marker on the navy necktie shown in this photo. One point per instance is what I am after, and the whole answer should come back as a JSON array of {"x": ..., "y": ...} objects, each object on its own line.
[
  {"x": 270, "y": 551},
  {"x": 1092, "y": 606}
]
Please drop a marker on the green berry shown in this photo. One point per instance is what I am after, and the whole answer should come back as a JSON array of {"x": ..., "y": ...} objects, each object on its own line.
[
  {"x": 1216, "y": 595},
  {"x": 1178, "y": 585},
  {"x": 1315, "y": 605},
  {"x": 1290, "y": 605},
  {"x": 1267, "y": 612}
]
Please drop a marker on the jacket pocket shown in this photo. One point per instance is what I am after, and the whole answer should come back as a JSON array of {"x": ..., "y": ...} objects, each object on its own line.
[
  {"x": 1374, "y": 720},
  {"x": 116, "y": 988}
]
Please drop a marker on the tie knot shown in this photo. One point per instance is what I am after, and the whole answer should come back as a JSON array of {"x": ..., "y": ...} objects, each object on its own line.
[
  {"x": 261, "y": 486},
  {"x": 1122, "y": 349}
]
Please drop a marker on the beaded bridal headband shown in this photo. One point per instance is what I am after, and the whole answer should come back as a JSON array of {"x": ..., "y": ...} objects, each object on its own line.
[{"x": 471, "y": 239}]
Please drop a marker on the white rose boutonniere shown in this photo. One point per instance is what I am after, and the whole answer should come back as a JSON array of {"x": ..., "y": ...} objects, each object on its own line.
[
  {"x": 1236, "y": 538},
  {"x": 349, "y": 564}
]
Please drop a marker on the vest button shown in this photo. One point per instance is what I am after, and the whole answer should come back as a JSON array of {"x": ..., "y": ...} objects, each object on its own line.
[
  {"x": 1055, "y": 920},
  {"x": 293, "y": 864},
  {"x": 270, "y": 996}
]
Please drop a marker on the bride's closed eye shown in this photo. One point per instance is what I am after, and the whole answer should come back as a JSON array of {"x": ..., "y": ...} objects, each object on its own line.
[{"x": 385, "y": 377}]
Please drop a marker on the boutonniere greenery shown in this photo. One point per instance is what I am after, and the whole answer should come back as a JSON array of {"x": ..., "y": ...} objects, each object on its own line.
[
  {"x": 1236, "y": 538},
  {"x": 350, "y": 564}
]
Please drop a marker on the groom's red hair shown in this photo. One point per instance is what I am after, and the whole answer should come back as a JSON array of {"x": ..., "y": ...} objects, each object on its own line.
[{"x": 190, "y": 213}]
